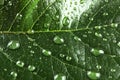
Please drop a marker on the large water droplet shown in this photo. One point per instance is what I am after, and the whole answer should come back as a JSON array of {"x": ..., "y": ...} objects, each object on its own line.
[
  {"x": 13, "y": 44},
  {"x": 68, "y": 58},
  {"x": 65, "y": 21},
  {"x": 58, "y": 40},
  {"x": 20, "y": 63},
  {"x": 31, "y": 68},
  {"x": 46, "y": 52},
  {"x": 93, "y": 75},
  {"x": 97, "y": 52},
  {"x": 59, "y": 77},
  {"x": 14, "y": 74}
]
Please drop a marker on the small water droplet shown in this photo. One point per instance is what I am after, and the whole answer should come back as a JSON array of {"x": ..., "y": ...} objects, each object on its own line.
[
  {"x": 112, "y": 70},
  {"x": 118, "y": 44},
  {"x": 31, "y": 51},
  {"x": 58, "y": 40},
  {"x": 20, "y": 63},
  {"x": 98, "y": 34},
  {"x": 35, "y": 44},
  {"x": 98, "y": 27},
  {"x": 114, "y": 25},
  {"x": 31, "y": 68},
  {"x": 93, "y": 75},
  {"x": 56, "y": 17},
  {"x": 97, "y": 52},
  {"x": 105, "y": 14},
  {"x": 77, "y": 38},
  {"x": 46, "y": 52},
  {"x": 98, "y": 67},
  {"x": 68, "y": 58},
  {"x": 104, "y": 39},
  {"x": 13, "y": 44},
  {"x": 14, "y": 74},
  {"x": 59, "y": 77},
  {"x": 62, "y": 55},
  {"x": 30, "y": 31},
  {"x": 46, "y": 25},
  {"x": 1, "y": 49},
  {"x": 65, "y": 21},
  {"x": 30, "y": 39},
  {"x": 10, "y": 3}
]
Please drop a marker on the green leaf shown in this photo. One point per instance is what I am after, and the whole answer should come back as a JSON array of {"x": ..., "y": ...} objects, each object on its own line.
[{"x": 59, "y": 40}]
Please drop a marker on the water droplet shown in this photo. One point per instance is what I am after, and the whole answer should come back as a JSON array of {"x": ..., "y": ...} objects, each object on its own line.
[
  {"x": 98, "y": 34},
  {"x": 1, "y": 49},
  {"x": 65, "y": 21},
  {"x": 118, "y": 44},
  {"x": 35, "y": 44},
  {"x": 98, "y": 67},
  {"x": 105, "y": 14},
  {"x": 31, "y": 51},
  {"x": 104, "y": 39},
  {"x": 93, "y": 75},
  {"x": 112, "y": 70},
  {"x": 68, "y": 58},
  {"x": 91, "y": 19},
  {"x": 20, "y": 63},
  {"x": 77, "y": 38},
  {"x": 46, "y": 52},
  {"x": 30, "y": 39},
  {"x": 62, "y": 55},
  {"x": 46, "y": 25},
  {"x": 98, "y": 27},
  {"x": 56, "y": 17},
  {"x": 59, "y": 77},
  {"x": 114, "y": 25},
  {"x": 31, "y": 68},
  {"x": 97, "y": 52},
  {"x": 10, "y": 3},
  {"x": 58, "y": 40},
  {"x": 30, "y": 31},
  {"x": 13, "y": 44},
  {"x": 14, "y": 74}
]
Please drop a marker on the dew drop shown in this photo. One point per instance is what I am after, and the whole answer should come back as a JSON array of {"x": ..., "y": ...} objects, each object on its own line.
[
  {"x": 14, "y": 74},
  {"x": 1, "y": 49},
  {"x": 20, "y": 63},
  {"x": 58, "y": 40},
  {"x": 30, "y": 31},
  {"x": 13, "y": 44},
  {"x": 105, "y": 14},
  {"x": 98, "y": 67},
  {"x": 98, "y": 34},
  {"x": 56, "y": 17},
  {"x": 65, "y": 21},
  {"x": 31, "y": 51},
  {"x": 46, "y": 25},
  {"x": 68, "y": 58},
  {"x": 77, "y": 38},
  {"x": 10, "y": 3},
  {"x": 59, "y": 77},
  {"x": 35, "y": 44},
  {"x": 118, "y": 44},
  {"x": 62, "y": 55},
  {"x": 30, "y": 39},
  {"x": 112, "y": 70},
  {"x": 114, "y": 25},
  {"x": 31, "y": 68},
  {"x": 98, "y": 27},
  {"x": 46, "y": 52},
  {"x": 93, "y": 75},
  {"x": 97, "y": 52}
]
